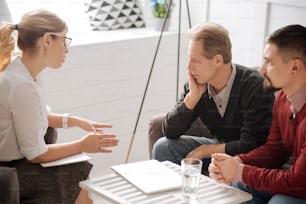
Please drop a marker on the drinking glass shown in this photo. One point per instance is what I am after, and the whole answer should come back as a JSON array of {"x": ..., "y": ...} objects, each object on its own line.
[{"x": 191, "y": 170}]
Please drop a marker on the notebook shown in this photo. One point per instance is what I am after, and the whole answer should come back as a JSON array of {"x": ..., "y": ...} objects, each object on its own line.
[
  {"x": 149, "y": 176},
  {"x": 68, "y": 160}
]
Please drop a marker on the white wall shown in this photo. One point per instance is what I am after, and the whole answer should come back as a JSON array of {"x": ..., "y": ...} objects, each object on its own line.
[
  {"x": 249, "y": 21},
  {"x": 269, "y": 16}
]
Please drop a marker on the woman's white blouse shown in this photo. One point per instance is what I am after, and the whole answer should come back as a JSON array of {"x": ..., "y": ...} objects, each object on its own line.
[{"x": 23, "y": 114}]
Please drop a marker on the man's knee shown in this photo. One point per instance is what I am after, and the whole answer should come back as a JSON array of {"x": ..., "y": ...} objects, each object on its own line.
[
  {"x": 284, "y": 199},
  {"x": 160, "y": 148}
]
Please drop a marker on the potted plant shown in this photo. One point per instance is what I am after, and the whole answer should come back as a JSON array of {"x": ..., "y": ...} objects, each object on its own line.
[{"x": 160, "y": 9}]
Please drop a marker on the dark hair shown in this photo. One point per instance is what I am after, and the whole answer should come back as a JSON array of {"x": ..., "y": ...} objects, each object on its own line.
[
  {"x": 215, "y": 40},
  {"x": 290, "y": 41}
]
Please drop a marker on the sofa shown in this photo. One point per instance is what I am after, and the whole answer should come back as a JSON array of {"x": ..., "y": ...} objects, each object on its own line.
[
  {"x": 9, "y": 185},
  {"x": 197, "y": 128}
]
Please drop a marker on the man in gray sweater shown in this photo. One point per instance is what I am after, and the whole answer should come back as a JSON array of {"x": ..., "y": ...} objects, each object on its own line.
[{"x": 229, "y": 99}]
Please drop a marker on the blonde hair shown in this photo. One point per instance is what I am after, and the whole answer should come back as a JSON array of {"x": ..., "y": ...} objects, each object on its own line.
[
  {"x": 32, "y": 26},
  {"x": 215, "y": 40},
  {"x": 7, "y": 44}
]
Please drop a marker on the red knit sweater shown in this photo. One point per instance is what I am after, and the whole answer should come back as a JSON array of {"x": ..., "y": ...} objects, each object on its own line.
[{"x": 287, "y": 138}]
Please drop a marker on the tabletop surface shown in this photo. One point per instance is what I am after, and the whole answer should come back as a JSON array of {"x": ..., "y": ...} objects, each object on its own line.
[{"x": 116, "y": 189}]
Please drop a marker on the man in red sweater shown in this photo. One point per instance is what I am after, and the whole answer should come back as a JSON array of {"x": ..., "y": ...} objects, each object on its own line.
[{"x": 260, "y": 171}]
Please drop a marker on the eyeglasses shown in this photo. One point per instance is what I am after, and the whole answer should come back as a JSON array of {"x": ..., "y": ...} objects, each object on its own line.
[{"x": 67, "y": 40}]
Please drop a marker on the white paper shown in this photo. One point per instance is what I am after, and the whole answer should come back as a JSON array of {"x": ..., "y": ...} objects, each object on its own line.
[{"x": 68, "y": 160}]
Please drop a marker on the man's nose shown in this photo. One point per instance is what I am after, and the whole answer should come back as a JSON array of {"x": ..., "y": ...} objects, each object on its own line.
[
  {"x": 189, "y": 66},
  {"x": 262, "y": 69}
]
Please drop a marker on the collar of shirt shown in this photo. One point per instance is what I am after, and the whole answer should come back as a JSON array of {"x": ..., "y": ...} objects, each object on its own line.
[
  {"x": 221, "y": 99},
  {"x": 297, "y": 100}
]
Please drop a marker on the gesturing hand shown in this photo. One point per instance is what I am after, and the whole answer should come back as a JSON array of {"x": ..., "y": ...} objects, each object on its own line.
[
  {"x": 99, "y": 142},
  {"x": 92, "y": 126}
]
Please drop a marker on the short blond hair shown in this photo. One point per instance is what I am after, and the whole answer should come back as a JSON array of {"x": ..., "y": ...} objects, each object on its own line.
[{"x": 215, "y": 40}]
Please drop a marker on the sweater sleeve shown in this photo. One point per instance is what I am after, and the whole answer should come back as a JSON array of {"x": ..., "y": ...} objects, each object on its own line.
[
  {"x": 179, "y": 119},
  {"x": 256, "y": 115},
  {"x": 262, "y": 170},
  {"x": 279, "y": 181}
]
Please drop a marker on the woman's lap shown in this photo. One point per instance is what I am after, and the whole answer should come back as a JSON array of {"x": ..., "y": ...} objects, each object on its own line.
[{"x": 58, "y": 184}]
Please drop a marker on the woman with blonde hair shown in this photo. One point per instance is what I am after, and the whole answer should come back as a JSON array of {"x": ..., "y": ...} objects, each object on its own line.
[{"x": 43, "y": 43}]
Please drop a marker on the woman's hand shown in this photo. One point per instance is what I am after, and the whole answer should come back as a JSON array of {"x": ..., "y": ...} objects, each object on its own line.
[
  {"x": 90, "y": 126},
  {"x": 56, "y": 121},
  {"x": 99, "y": 142}
]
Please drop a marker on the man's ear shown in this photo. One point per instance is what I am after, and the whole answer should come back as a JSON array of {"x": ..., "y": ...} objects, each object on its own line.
[
  {"x": 218, "y": 59},
  {"x": 297, "y": 65}
]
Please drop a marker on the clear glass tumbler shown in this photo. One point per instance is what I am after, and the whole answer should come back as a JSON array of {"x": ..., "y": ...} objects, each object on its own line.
[{"x": 191, "y": 170}]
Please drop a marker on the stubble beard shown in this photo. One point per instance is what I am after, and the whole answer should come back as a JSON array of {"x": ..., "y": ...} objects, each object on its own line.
[{"x": 268, "y": 85}]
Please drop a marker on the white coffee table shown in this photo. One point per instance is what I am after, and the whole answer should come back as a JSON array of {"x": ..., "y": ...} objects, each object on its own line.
[{"x": 116, "y": 189}]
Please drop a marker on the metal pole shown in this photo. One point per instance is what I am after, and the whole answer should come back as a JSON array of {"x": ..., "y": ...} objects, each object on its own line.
[{"x": 152, "y": 66}]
